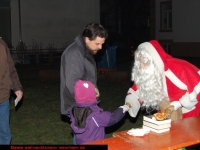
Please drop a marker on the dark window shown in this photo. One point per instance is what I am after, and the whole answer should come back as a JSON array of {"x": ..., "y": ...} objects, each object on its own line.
[{"x": 166, "y": 16}]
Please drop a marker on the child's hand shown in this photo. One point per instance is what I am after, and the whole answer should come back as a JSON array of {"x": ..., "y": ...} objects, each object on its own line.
[
  {"x": 97, "y": 93},
  {"x": 125, "y": 108}
]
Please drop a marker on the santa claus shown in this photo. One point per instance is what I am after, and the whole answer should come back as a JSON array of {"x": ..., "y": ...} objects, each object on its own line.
[{"x": 160, "y": 78}]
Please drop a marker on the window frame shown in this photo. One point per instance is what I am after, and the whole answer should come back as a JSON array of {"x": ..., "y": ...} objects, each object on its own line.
[{"x": 168, "y": 16}]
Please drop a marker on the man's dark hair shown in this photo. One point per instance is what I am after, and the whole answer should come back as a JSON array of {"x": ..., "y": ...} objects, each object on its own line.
[{"x": 93, "y": 30}]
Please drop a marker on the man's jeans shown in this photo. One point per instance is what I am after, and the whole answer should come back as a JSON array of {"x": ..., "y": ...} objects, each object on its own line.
[
  {"x": 5, "y": 135},
  {"x": 74, "y": 136}
]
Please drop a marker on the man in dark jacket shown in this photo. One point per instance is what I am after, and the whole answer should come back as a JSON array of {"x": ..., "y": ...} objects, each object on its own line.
[
  {"x": 77, "y": 62},
  {"x": 9, "y": 80}
]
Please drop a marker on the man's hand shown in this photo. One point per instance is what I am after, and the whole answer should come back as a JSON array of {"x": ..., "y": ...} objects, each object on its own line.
[{"x": 19, "y": 94}]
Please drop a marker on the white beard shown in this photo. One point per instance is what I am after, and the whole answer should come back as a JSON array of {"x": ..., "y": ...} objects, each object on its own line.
[{"x": 148, "y": 80}]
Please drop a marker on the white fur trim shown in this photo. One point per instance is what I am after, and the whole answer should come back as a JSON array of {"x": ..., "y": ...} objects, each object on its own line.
[
  {"x": 133, "y": 100},
  {"x": 195, "y": 92},
  {"x": 130, "y": 90},
  {"x": 176, "y": 105},
  {"x": 198, "y": 72},
  {"x": 175, "y": 79},
  {"x": 153, "y": 52},
  {"x": 185, "y": 110},
  {"x": 187, "y": 102},
  {"x": 134, "y": 93}
]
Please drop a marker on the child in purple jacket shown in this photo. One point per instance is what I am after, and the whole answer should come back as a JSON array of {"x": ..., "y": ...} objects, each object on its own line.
[{"x": 88, "y": 120}]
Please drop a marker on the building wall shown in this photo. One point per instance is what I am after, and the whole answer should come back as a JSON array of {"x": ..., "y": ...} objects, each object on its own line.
[
  {"x": 186, "y": 49},
  {"x": 152, "y": 19},
  {"x": 56, "y": 22},
  {"x": 185, "y": 31},
  {"x": 186, "y": 20}
]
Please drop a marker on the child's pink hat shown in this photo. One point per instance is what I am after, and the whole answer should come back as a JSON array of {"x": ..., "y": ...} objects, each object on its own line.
[{"x": 84, "y": 92}]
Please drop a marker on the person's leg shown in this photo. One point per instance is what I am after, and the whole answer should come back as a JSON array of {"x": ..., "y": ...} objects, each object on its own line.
[
  {"x": 74, "y": 139},
  {"x": 5, "y": 135},
  {"x": 74, "y": 136}
]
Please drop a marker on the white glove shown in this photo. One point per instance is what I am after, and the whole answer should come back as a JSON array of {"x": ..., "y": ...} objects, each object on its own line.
[
  {"x": 135, "y": 105},
  {"x": 125, "y": 108},
  {"x": 176, "y": 105}
]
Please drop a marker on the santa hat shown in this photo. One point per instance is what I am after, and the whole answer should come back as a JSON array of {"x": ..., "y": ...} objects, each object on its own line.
[
  {"x": 158, "y": 54},
  {"x": 84, "y": 92}
]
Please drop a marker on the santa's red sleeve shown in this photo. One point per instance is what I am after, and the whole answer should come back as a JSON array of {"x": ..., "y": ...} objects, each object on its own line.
[{"x": 183, "y": 84}]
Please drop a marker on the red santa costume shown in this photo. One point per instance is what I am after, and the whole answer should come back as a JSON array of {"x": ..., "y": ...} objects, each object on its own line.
[{"x": 180, "y": 81}]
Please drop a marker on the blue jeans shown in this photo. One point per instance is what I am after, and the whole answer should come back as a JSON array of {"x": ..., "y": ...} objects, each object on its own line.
[
  {"x": 74, "y": 136},
  {"x": 5, "y": 135}
]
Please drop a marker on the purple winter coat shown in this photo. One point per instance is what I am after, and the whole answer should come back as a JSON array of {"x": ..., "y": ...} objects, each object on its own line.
[{"x": 95, "y": 123}]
